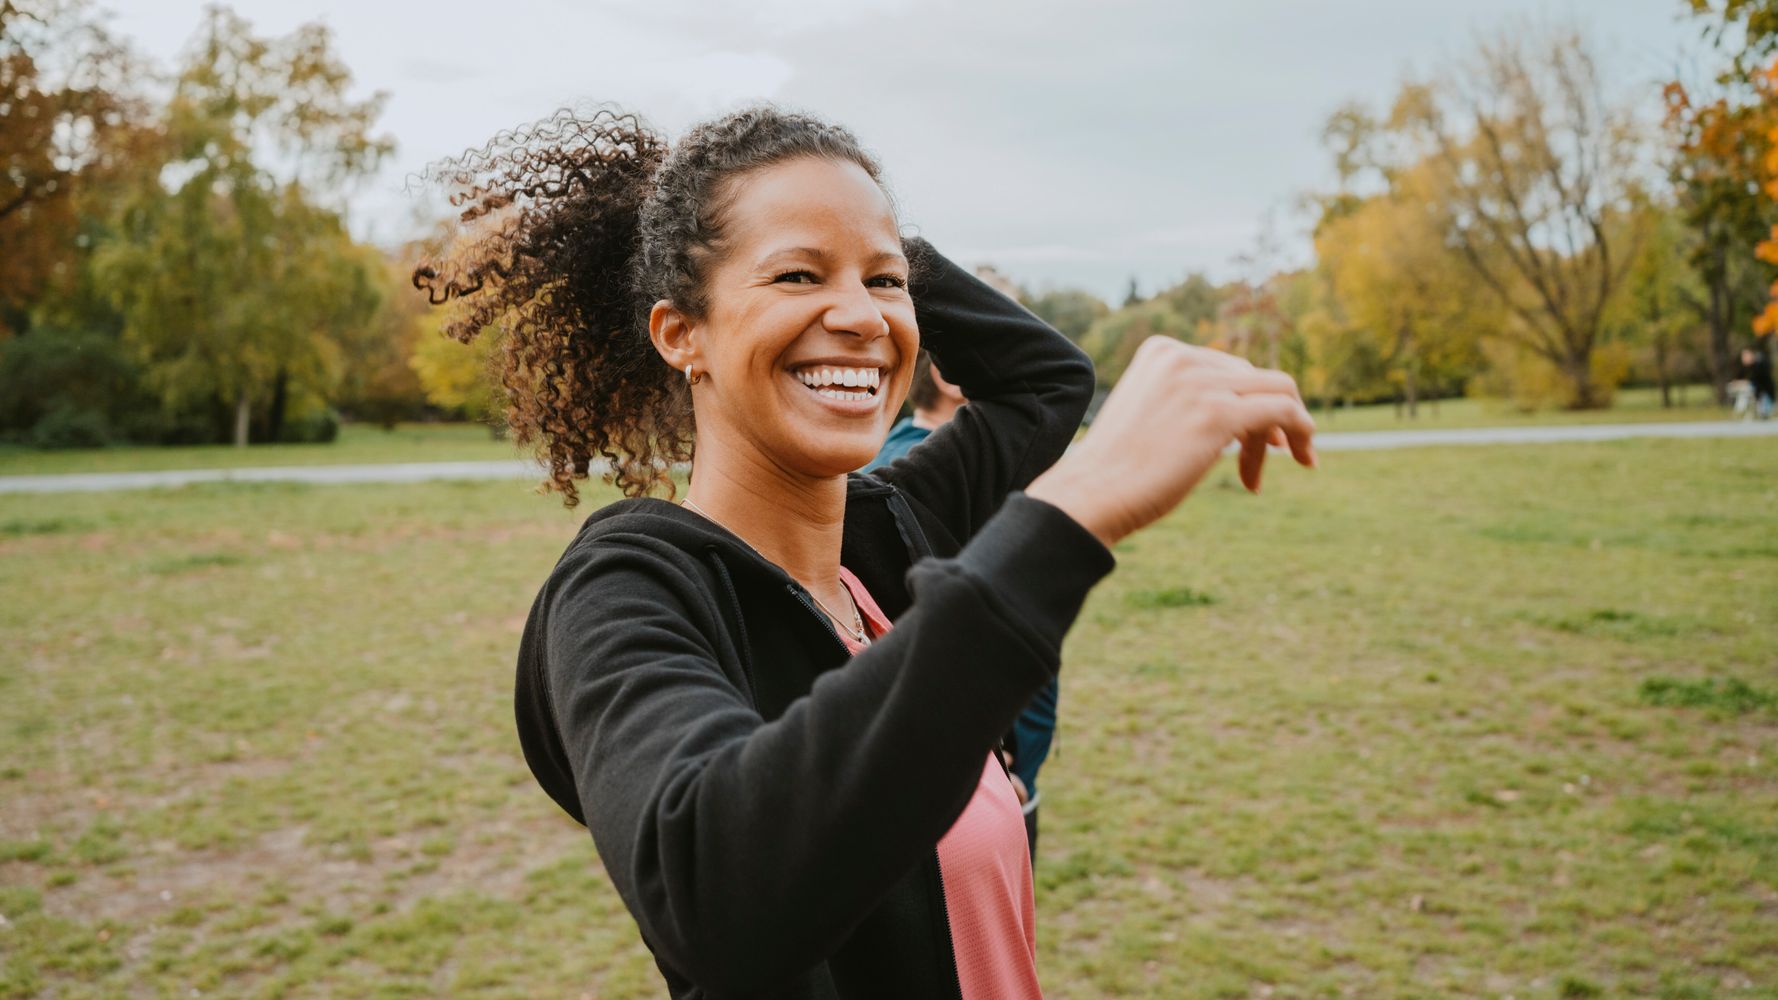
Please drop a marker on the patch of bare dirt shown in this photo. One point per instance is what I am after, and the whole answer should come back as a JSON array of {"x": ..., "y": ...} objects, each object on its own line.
[{"x": 164, "y": 878}]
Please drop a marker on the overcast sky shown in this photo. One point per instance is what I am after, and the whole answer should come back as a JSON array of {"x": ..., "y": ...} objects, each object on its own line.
[{"x": 1068, "y": 143}]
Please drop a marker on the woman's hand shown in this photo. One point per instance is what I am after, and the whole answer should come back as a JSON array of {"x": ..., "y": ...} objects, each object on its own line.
[{"x": 1161, "y": 430}]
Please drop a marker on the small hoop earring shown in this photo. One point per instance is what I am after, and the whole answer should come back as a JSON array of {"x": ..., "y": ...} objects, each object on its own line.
[{"x": 690, "y": 378}]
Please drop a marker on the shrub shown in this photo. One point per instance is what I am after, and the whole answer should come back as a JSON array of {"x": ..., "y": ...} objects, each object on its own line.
[
  {"x": 68, "y": 425},
  {"x": 317, "y": 426}
]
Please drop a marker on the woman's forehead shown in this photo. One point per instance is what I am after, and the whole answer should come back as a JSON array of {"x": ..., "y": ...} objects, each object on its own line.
[{"x": 808, "y": 204}]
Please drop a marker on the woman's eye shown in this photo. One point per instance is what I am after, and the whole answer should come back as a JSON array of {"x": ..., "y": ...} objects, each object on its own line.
[
  {"x": 888, "y": 281},
  {"x": 796, "y": 277}
]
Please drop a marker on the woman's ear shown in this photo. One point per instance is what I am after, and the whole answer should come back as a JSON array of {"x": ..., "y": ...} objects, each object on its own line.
[{"x": 671, "y": 331}]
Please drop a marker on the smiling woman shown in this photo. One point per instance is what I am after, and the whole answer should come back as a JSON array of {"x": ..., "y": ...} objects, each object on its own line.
[{"x": 777, "y": 825}]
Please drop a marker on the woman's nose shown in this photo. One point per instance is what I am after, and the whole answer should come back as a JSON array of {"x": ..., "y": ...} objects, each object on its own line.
[{"x": 855, "y": 311}]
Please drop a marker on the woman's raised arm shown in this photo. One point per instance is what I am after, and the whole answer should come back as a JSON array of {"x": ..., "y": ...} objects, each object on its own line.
[{"x": 1027, "y": 387}]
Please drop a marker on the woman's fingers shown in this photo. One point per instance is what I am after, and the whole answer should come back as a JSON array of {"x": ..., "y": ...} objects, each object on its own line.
[
  {"x": 1164, "y": 426},
  {"x": 1253, "y": 459},
  {"x": 1261, "y": 414},
  {"x": 1264, "y": 407},
  {"x": 1283, "y": 400}
]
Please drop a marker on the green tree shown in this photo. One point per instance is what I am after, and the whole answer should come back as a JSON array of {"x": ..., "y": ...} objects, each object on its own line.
[
  {"x": 1132, "y": 295},
  {"x": 380, "y": 384},
  {"x": 235, "y": 282},
  {"x": 1197, "y": 300},
  {"x": 1069, "y": 310},
  {"x": 1112, "y": 341},
  {"x": 1662, "y": 312}
]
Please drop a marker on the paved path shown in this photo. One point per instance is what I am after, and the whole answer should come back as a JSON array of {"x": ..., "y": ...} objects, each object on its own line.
[{"x": 419, "y": 472}]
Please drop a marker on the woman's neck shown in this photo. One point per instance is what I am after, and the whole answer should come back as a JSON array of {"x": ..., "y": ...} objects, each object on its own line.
[{"x": 797, "y": 524}]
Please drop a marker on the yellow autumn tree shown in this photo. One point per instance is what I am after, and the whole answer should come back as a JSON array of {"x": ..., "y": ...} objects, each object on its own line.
[
  {"x": 1403, "y": 289},
  {"x": 457, "y": 377}
]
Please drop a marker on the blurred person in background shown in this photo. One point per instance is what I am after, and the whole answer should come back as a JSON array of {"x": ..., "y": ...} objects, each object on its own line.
[
  {"x": 1756, "y": 371},
  {"x": 934, "y": 401},
  {"x": 776, "y": 703}
]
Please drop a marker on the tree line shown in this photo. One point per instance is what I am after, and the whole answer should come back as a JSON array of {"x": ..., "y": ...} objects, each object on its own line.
[
  {"x": 1515, "y": 228},
  {"x": 175, "y": 264}
]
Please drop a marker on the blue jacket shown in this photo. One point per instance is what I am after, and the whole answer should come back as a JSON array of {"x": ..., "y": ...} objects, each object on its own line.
[{"x": 902, "y": 437}]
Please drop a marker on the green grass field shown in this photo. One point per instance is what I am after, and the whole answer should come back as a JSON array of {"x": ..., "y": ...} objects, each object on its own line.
[
  {"x": 357, "y": 444},
  {"x": 1632, "y": 406},
  {"x": 363, "y": 444},
  {"x": 1486, "y": 722}
]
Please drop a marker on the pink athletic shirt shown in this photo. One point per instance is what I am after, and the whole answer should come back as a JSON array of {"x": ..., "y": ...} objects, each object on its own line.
[{"x": 986, "y": 865}]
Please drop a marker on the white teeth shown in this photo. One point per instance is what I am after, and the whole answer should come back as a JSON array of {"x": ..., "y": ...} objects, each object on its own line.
[{"x": 817, "y": 378}]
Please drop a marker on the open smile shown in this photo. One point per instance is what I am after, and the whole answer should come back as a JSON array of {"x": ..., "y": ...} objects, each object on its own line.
[{"x": 846, "y": 385}]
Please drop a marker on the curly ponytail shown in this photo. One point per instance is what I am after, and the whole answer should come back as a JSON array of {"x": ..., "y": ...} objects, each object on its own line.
[{"x": 573, "y": 227}]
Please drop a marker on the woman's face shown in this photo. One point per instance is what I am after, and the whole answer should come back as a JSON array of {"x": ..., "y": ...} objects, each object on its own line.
[{"x": 808, "y": 340}]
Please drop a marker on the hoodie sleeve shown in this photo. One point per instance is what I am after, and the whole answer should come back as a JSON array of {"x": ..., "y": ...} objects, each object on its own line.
[
  {"x": 1027, "y": 387},
  {"x": 747, "y": 850}
]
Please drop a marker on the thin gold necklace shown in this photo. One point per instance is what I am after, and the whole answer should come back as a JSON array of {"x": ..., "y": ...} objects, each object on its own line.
[{"x": 856, "y": 629}]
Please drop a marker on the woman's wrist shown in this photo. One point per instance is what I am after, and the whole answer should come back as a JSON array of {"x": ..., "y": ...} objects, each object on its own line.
[{"x": 1065, "y": 487}]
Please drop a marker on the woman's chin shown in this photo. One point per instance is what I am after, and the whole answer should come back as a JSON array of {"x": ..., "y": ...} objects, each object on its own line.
[{"x": 838, "y": 461}]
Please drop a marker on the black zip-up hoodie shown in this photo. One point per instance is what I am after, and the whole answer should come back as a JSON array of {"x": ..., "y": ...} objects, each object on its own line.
[{"x": 771, "y": 820}]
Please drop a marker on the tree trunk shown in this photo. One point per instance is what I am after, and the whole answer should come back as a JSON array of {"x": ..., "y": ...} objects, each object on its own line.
[
  {"x": 243, "y": 411},
  {"x": 1720, "y": 367},
  {"x": 1661, "y": 376},
  {"x": 1586, "y": 395},
  {"x": 280, "y": 395},
  {"x": 1413, "y": 390}
]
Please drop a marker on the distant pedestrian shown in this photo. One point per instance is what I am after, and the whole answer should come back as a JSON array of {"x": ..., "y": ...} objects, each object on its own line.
[
  {"x": 935, "y": 400},
  {"x": 1756, "y": 369}
]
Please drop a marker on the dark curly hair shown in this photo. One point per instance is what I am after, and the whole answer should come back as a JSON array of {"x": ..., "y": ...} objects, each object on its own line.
[{"x": 573, "y": 227}]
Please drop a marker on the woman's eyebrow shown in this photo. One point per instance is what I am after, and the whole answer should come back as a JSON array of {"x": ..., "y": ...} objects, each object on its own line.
[
  {"x": 821, "y": 256},
  {"x": 810, "y": 253}
]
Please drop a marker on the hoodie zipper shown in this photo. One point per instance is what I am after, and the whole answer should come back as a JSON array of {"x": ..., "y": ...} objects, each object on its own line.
[
  {"x": 807, "y": 601},
  {"x": 950, "y": 943}
]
